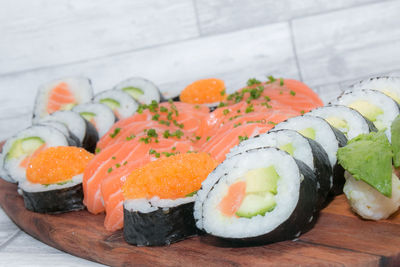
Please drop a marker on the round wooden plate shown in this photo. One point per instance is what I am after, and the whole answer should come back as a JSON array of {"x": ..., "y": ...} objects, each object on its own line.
[{"x": 339, "y": 238}]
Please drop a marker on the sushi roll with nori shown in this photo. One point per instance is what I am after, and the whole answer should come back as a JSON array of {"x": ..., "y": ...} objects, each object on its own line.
[
  {"x": 142, "y": 90},
  {"x": 386, "y": 84},
  {"x": 372, "y": 187},
  {"x": 54, "y": 180},
  {"x": 301, "y": 148},
  {"x": 158, "y": 206},
  {"x": 374, "y": 105},
  {"x": 99, "y": 115},
  {"x": 72, "y": 139},
  {"x": 19, "y": 149},
  {"x": 260, "y": 196},
  {"x": 122, "y": 104},
  {"x": 347, "y": 120},
  {"x": 78, "y": 126},
  {"x": 61, "y": 94}
]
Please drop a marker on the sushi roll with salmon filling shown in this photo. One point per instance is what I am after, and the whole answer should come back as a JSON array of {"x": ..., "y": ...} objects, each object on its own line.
[
  {"x": 327, "y": 136},
  {"x": 388, "y": 85},
  {"x": 159, "y": 197},
  {"x": 347, "y": 120},
  {"x": 122, "y": 104},
  {"x": 260, "y": 196},
  {"x": 142, "y": 90},
  {"x": 301, "y": 148},
  {"x": 99, "y": 115},
  {"x": 19, "y": 149},
  {"x": 54, "y": 180},
  {"x": 61, "y": 94},
  {"x": 78, "y": 126}
]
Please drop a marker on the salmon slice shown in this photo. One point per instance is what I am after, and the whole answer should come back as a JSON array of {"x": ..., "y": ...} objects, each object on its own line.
[
  {"x": 59, "y": 97},
  {"x": 230, "y": 204}
]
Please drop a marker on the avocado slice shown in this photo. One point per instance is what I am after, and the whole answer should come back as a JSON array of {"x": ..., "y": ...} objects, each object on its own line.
[
  {"x": 262, "y": 180},
  {"x": 308, "y": 132},
  {"x": 134, "y": 92},
  {"x": 68, "y": 106},
  {"x": 256, "y": 204},
  {"x": 111, "y": 103},
  {"x": 338, "y": 123},
  {"x": 88, "y": 115},
  {"x": 25, "y": 146},
  {"x": 288, "y": 148},
  {"x": 368, "y": 110},
  {"x": 392, "y": 95}
]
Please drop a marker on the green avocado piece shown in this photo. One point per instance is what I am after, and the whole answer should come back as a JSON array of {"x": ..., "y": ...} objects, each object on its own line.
[
  {"x": 368, "y": 157},
  {"x": 368, "y": 110},
  {"x": 25, "y": 146},
  {"x": 338, "y": 123},
  {"x": 392, "y": 95},
  {"x": 262, "y": 180},
  {"x": 288, "y": 148},
  {"x": 256, "y": 204},
  {"x": 88, "y": 115},
  {"x": 134, "y": 92},
  {"x": 308, "y": 132},
  {"x": 395, "y": 131},
  {"x": 111, "y": 103},
  {"x": 68, "y": 106}
]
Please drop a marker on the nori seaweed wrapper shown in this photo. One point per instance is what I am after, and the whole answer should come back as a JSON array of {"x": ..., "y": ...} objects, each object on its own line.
[
  {"x": 55, "y": 201},
  {"x": 161, "y": 227},
  {"x": 338, "y": 171},
  {"x": 91, "y": 137}
]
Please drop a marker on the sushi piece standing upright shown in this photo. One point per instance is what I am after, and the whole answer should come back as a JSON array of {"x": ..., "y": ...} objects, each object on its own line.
[
  {"x": 122, "y": 104},
  {"x": 61, "y": 94},
  {"x": 142, "y": 90}
]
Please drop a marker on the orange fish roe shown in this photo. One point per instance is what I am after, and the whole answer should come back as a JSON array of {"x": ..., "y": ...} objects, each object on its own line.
[
  {"x": 57, "y": 164},
  {"x": 169, "y": 178},
  {"x": 204, "y": 91}
]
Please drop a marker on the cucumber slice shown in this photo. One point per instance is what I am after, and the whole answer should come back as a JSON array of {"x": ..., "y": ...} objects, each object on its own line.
[
  {"x": 338, "y": 123},
  {"x": 88, "y": 115},
  {"x": 262, "y": 180},
  {"x": 25, "y": 146},
  {"x": 367, "y": 109},
  {"x": 308, "y": 132},
  {"x": 134, "y": 92},
  {"x": 111, "y": 103},
  {"x": 256, "y": 204},
  {"x": 68, "y": 106},
  {"x": 288, "y": 148}
]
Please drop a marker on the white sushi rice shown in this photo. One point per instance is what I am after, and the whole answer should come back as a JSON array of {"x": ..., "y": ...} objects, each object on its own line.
[
  {"x": 80, "y": 87},
  {"x": 388, "y": 85},
  {"x": 128, "y": 105},
  {"x": 36, "y": 187},
  {"x": 324, "y": 134},
  {"x": 209, "y": 217},
  {"x": 51, "y": 137},
  {"x": 355, "y": 121},
  {"x": 144, "y": 205},
  {"x": 149, "y": 89},
  {"x": 368, "y": 202},
  {"x": 104, "y": 117},
  {"x": 386, "y": 104},
  {"x": 3, "y": 173}
]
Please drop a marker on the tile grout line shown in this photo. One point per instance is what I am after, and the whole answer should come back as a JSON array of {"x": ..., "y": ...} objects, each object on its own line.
[
  {"x": 196, "y": 13},
  {"x": 9, "y": 239},
  {"x": 292, "y": 39}
]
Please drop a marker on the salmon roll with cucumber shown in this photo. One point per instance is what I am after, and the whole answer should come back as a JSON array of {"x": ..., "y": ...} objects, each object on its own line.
[
  {"x": 122, "y": 104},
  {"x": 260, "y": 196},
  {"x": 389, "y": 85},
  {"x": 61, "y": 94},
  {"x": 54, "y": 180},
  {"x": 301, "y": 148},
  {"x": 159, "y": 199},
  {"x": 142, "y": 90}
]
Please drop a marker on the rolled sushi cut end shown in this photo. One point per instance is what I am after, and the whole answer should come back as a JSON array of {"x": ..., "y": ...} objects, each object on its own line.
[
  {"x": 158, "y": 206},
  {"x": 390, "y": 86},
  {"x": 61, "y": 94},
  {"x": 142, "y": 90},
  {"x": 122, "y": 104},
  {"x": 206, "y": 91},
  {"x": 261, "y": 196},
  {"x": 54, "y": 180}
]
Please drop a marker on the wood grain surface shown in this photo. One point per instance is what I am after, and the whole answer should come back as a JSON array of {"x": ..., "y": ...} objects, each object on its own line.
[{"x": 339, "y": 238}]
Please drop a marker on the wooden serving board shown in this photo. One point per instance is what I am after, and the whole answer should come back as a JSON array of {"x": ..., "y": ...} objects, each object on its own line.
[{"x": 338, "y": 238}]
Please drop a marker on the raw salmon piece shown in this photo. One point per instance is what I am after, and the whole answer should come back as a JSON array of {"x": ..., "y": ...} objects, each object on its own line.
[{"x": 59, "y": 97}]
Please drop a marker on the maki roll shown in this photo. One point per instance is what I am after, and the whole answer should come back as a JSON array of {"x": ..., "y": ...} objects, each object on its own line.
[
  {"x": 19, "y": 149},
  {"x": 54, "y": 180},
  {"x": 85, "y": 132},
  {"x": 347, "y": 120},
  {"x": 327, "y": 136},
  {"x": 390, "y": 86},
  {"x": 142, "y": 90},
  {"x": 301, "y": 148},
  {"x": 260, "y": 196},
  {"x": 72, "y": 139},
  {"x": 61, "y": 94},
  {"x": 122, "y": 104},
  {"x": 374, "y": 105},
  {"x": 99, "y": 115},
  {"x": 159, "y": 197}
]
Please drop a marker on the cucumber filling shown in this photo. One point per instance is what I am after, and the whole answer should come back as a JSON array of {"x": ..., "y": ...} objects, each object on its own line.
[
  {"x": 68, "y": 106},
  {"x": 111, "y": 103},
  {"x": 88, "y": 115},
  {"x": 339, "y": 124},
  {"x": 134, "y": 92},
  {"x": 369, "y": 111},
  {"x": 25, "y": 146},
  {"x": 308, "y": 132},
  {"x": 288, "y": 148}
]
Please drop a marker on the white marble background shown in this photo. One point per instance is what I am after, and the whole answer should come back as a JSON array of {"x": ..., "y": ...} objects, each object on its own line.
[{"x": 327, "y": 44}]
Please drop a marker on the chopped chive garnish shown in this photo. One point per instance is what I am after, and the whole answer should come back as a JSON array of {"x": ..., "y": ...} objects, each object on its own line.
[
  {"x": 249, "y": 108},
  {"x": 226, "y": 111},
  {"x": 113, "y": 157},
  {"x": 197, "y": 107},
  {"x": 293, "y": 93},
  {"x": 191, "y": 194},
  {"x": 222, "y": 92},
  {"x": 302, "y": 112},
  {"x": 252, "y": 81},
  {"x": 110, "y": 170},
  {"x": 125, "y": 163},
  {"x": 242, "y": 138},
  {"x": 117, "y": 165},
  {"x": 97, "y": 150},
  {"x": 116, "y": 131},
  {"x": 173, "y": 148},
  {"x": 163, "y": 109},
  {"x": 271, "y": 79},
  {"x": 271, "y": 122},
  {"x": 132, "y": 136},
  {"x": 208, "y": 138},
  {"x": 155, "y": 117}
]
